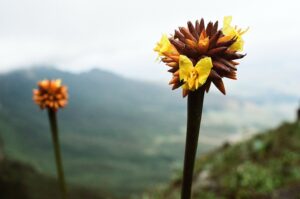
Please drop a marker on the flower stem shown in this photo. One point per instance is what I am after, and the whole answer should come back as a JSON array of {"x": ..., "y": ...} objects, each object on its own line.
[
  {"x": 57, "y": 153},
  {"x": 194, "y": 113}
]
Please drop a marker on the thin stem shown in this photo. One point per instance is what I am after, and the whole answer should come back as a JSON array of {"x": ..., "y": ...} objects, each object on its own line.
[
  {"x": 194, "y": 113},
  {"x": 57, "y": 153}
]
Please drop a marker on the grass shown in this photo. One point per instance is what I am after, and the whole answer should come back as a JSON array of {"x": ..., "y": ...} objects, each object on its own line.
[
  {"x": 262, "y": 167},
  {"x": 19, "y": 180}
]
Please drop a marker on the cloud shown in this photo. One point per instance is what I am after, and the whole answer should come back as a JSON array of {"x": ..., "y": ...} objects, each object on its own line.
[{"x": 119, "y": 35}]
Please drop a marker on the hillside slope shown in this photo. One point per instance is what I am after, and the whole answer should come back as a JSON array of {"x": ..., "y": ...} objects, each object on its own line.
[
  {"x": 266, "y": 166},
  {"x": 117, "y": 134},
  {"x": 19, "y": 180},
  {"x": 106, "y": 114}
]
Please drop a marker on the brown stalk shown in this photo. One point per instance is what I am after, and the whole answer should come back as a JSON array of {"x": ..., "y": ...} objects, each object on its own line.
[{"x": 194, "y": 114}]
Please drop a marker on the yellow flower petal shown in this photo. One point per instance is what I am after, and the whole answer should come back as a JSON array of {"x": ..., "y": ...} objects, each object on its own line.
[
  {"x": 194, "y": 77},
  {"x": 238, "y": 45},
  {"x": 203, "y": 68},
  {"x": 231, "y": 31},
  {"x": 165, "y": 46},
  {"x": 185, "y": 86},
  {"x": 185, "y": 66},
  {"x": 57, "y": 82},
  {"x": 227, "y": 28},
  {"x": 197, "y": 83}
]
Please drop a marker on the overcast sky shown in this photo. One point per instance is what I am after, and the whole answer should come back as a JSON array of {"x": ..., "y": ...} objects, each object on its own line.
[{"x": 119, "y": 36}]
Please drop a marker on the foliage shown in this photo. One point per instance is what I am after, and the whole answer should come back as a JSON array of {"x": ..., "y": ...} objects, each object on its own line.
[
  {"x": 261, "y": 167},
  {"x": 19, "y": 180}
]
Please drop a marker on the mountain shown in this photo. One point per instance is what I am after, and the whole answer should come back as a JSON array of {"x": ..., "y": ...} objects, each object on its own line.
[
  {"x": 264, "y": 167},
  {"x": 118, "y": 134}
]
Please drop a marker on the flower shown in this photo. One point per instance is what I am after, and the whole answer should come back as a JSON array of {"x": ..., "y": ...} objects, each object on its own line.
[
  {"x": 51, "y": 94},
  {"x": 232, "y": 32},
  {"x": 191, "y": 46},
  {"x": 164, "y": 47},
  {"x": 194, "y": 76}
]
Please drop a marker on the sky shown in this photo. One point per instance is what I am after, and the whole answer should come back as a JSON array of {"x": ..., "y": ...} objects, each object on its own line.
[{"x": 119, "y": 36}]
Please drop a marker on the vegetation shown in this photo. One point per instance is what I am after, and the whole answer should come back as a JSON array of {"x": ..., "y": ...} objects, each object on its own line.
[
  {"x": 266, "y": 166},
  {"x": 113, "y": 138},
  {"x": 19, "y": 180},
  {"x": 96, "y": 137}
]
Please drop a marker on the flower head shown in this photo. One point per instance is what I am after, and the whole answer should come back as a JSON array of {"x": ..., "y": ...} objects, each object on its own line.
[
  {"x": 51, "y": 94},
  {"x": 200, "y": 55}
]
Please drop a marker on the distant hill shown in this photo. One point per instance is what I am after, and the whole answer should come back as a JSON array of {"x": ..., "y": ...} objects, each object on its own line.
[
  {"x": 264, "y": 167},
  {"x": 117, "y": 134}
]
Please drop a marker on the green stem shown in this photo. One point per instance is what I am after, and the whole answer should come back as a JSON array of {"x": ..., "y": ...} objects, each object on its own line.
[
  {"x": 194, "y": 113},
  {"x": 57, "y": 153}
]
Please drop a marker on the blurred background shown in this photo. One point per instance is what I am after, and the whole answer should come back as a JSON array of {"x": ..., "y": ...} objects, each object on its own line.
[{"x": 123, "y": 132}]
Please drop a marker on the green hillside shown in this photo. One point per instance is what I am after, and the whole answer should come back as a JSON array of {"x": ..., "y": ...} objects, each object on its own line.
[
  {"x": 264, "y": 167},
  {"x": 19, "y": 180},
  {"x": 107, "y": 130},
  {"x": 117, "y": 134}
]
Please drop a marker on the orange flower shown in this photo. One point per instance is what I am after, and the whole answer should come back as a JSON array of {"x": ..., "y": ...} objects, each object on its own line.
[{"x": 51, "y": 94}]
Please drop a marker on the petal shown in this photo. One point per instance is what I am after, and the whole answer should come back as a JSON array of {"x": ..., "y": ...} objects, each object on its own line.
[
  {"x": 57, "y": 82},
  {"x": 185, "y": 86},
  {"x": 226, "y": 24},
  {"x": 243, "y": 31},
  {"x": 203, "y": 44},
  {"x": 191, "y": 83},
  {"x": 44, "y": 84},
  {"x": 238, "y": 45},
  {"x": 203, "y": 68},
  {"x": 157, "y": 48},
  {"x": 197, "y": 83},
  {"x": 161, "y": 45},
  {"x": 185, "y": 67},
  {"x": 227, "y": 28},
  {"x": 165, "y": 44},
  {"x": 225, "y": 38}
]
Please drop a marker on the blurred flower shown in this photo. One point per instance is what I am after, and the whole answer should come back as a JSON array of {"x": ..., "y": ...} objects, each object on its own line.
[
  {"x": 184, "y": 51},
  {"x": 51, "y": 94}
]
